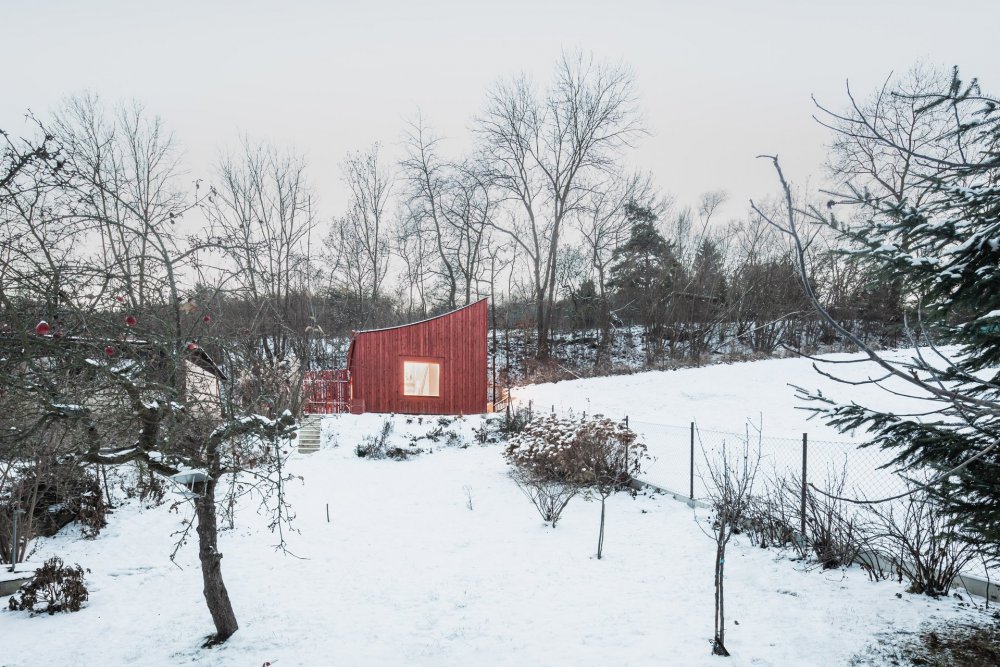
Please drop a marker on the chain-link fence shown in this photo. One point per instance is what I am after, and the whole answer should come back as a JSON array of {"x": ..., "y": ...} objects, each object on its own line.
[
  {"x": 816, "y": 477},
  {"x": 680, "y": 456}
]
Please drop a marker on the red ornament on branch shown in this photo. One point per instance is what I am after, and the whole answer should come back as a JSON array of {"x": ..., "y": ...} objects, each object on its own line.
[
  {"x": 192, "y": 346},
  {"x": 130, "y": 320},
  {"x": 110, "y": 350},
  {"x": 42, "y": 328},
  {"x": 207, "y": 319}
]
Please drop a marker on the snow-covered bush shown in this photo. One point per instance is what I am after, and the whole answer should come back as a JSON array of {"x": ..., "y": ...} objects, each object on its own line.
[
  {"x": 554, "y": 458},
  {"x": 55, "y": 587},
  {"x": 544, "y": 448},
  {"x": 577, "y": 450}
]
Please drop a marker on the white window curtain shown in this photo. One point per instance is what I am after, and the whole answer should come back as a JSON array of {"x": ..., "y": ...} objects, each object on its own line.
[{"x": 421, "y": 378}]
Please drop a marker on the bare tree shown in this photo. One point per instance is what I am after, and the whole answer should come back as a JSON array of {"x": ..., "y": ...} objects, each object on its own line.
[
  {"x": 891, "y": 143},
  {"x": 546, "y": 152},
  {"x": 261, "y": 217},
  {"x": 731, "y": 476},
  {"x": 416, "y": 250},
  {"x": 451, "y": 205},
  {"x": 99, "y": 359},
  {"x": 360, "y": 239}
]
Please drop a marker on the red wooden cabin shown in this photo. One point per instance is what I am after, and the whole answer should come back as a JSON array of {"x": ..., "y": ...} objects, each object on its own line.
[{"x": 436, "y": 366}]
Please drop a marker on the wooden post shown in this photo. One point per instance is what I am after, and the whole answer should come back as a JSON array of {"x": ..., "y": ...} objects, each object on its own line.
[
  {"x": 805, "y": 456},
  {"x": 691, "y": 490}
]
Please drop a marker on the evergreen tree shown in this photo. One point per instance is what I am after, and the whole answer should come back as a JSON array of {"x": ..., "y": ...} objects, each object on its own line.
[
  {"x": 643, "y": 274},
  {"x": 944, "y": 253},
  {"x": 709, "y": 279},
  {"x": 586, "y": 304}
]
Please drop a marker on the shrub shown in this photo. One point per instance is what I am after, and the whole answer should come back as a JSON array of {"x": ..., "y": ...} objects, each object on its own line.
[
  {"x": 833, "y": 530},
  {"x": 377, "y": 446},
  {"x": 549, "y": 497},
  {"x": 52, "y": 495},
  {"x": 55, "y": 587},
  {"x": 400, "y": 454},
  {"x": 515, "y": 419},
  {"x": 771, "y": 518},
  {"x": 554, "y": 458},
  {"x": 928, "y": 551},
  {"x": 482, "y": 433},
  {"x": 573, "y": 449},
  {"x": 836, "y": 534}
]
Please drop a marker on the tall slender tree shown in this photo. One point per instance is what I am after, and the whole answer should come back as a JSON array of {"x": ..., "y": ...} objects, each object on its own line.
[{"x": 546, "y": 152}]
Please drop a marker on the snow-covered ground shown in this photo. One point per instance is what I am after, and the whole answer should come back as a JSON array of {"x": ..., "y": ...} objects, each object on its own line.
[
  {"x": 724, "y": 400},
  {"x": 723, "y": 396},
  {"x": 406, "y": 573}
]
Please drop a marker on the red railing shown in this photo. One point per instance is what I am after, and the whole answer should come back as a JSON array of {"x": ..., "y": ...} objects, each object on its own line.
[{"x": 326, "y": 392}]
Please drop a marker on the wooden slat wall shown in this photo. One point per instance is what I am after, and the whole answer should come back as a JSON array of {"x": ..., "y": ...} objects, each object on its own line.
[{"x": 456, "y": 339}]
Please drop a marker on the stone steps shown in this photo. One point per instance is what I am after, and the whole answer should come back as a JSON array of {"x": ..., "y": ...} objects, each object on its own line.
[{"x": 309, "y": 433}]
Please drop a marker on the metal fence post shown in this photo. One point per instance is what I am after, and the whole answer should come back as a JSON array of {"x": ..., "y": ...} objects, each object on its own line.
[
  {"x": 13, "y": 545},
  {"x": 691, "y": 491},
  {"x": 805, "y": 457}
]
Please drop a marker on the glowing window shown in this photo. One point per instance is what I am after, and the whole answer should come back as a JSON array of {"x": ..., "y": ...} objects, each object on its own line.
[{"x": 421, "y": 378}]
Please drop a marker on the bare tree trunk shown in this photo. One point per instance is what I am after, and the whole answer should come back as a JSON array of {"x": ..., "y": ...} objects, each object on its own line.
[
  {"x": 719, "y": 643},
  {"x": 542, "y": 352},
  {"x": 216, "y": 595},
  {"x": 600, "y": 534}
]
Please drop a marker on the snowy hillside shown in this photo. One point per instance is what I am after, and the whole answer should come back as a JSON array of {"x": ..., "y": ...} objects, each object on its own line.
[
  {"x": 722, "y": 396},
  {"x": 728, "y": 401},
  {"x": 439, "y": 560}
]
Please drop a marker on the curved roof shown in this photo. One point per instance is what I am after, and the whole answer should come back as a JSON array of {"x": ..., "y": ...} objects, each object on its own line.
[{"x": 428, "y": 319}]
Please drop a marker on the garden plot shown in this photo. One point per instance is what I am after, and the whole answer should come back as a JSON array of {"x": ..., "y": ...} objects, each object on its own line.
[{"x": 440, "y": 560}]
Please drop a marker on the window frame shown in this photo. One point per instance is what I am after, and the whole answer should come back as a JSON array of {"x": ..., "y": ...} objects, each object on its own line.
[{"x": 403, "y": 360}]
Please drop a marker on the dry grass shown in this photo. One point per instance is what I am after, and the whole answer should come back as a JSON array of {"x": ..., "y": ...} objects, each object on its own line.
[{"x": 962, "y": 644}]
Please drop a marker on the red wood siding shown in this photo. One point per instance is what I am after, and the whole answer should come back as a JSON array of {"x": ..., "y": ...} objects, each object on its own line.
[{"x": 456, "y": 339}]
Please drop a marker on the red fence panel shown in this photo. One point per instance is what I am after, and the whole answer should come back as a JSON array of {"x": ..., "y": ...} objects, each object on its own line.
[{"x": 326, "y": 392}]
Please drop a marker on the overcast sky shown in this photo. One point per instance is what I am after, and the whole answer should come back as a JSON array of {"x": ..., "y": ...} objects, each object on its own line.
[{"x": 720, "y": 82}]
